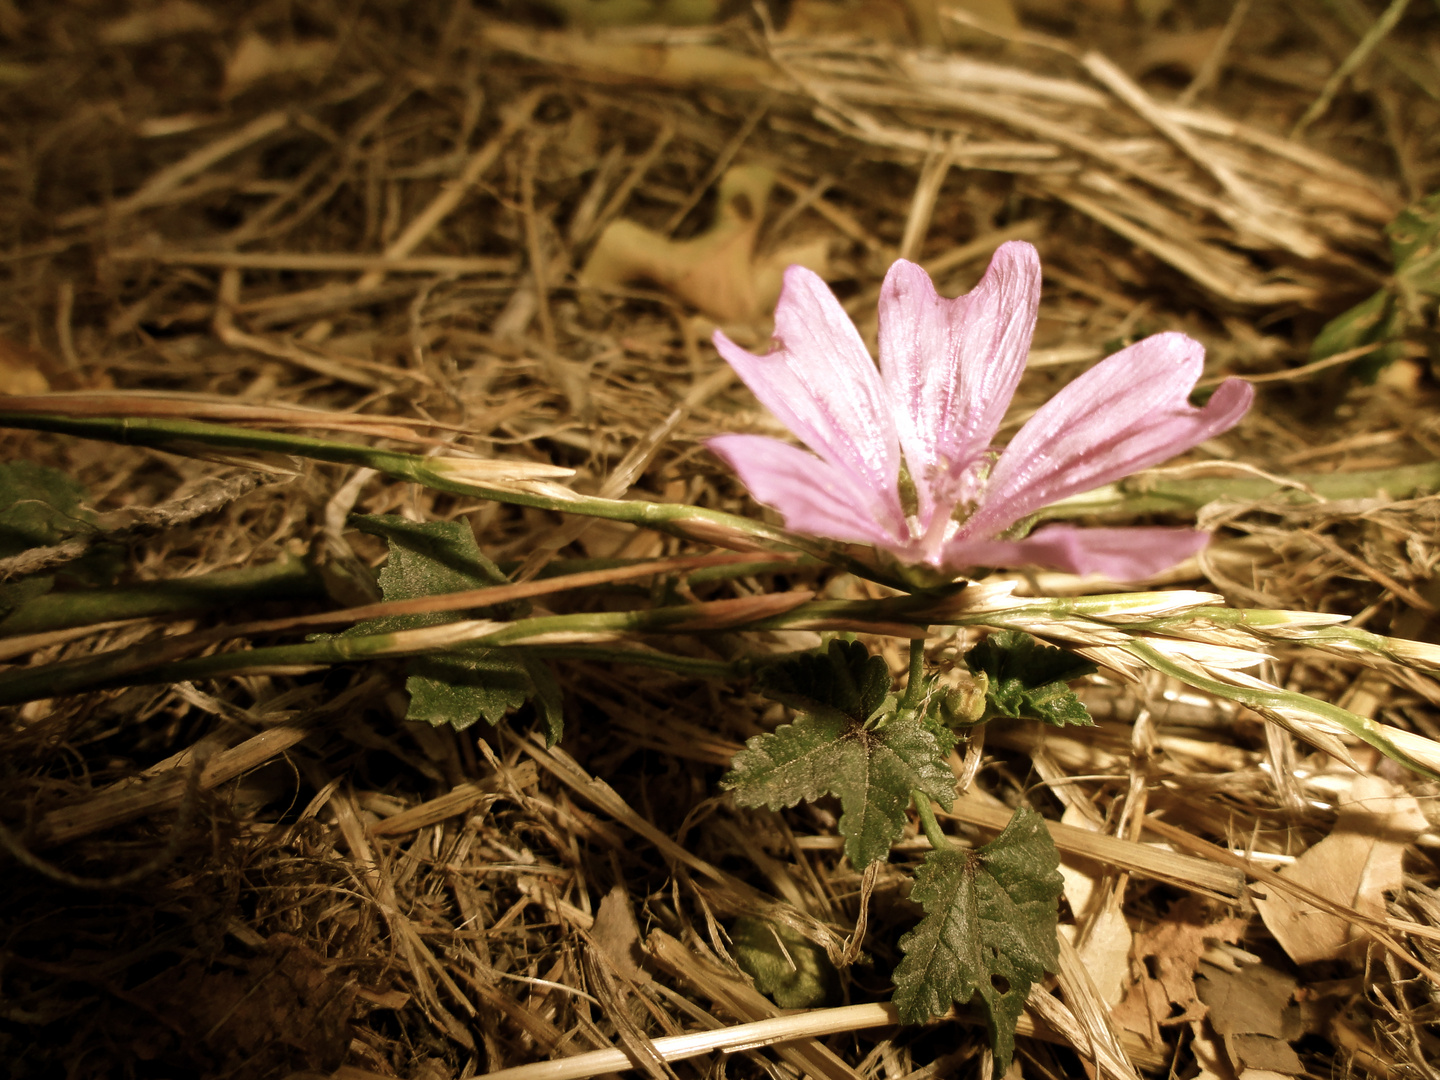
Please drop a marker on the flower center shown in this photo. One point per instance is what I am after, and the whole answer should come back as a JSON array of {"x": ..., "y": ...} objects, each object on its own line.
[{"x": 956, "y": 498}]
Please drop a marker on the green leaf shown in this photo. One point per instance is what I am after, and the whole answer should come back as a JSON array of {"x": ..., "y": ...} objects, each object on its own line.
[
  {"x": 792, "y": 971},
  {"x": 990, "y": 925},
  {"x": 1027, "y": 680},
  {"x": 1373, "y": 319},
  {"x": 429, "y": 558},
  {"x": 39, "y": 506},
  {"x": 872, "y": 770},
  {"x": 1414, "y": 238},
  {"x": 1402, "y": 309},
  {"x": 845, "y": 678},
  {"x": 455, "y": 688}
]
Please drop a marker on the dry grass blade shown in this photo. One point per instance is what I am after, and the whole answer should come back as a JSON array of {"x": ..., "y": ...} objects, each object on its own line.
[{"x": 284, "y": 222}]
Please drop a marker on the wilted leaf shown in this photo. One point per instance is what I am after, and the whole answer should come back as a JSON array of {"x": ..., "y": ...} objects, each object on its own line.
[
  {"x": 616, "y": 933},
  {"x": 716, "y": 272},
  {"x": 1028, "y": 680},
  {"x": 1353, "y": 866},
  {"x": 793, "y": 972},
  {"x": 1252, "y": 1008},
  {"x": 457, "y": 688},
  {"x": 1172, "y": 949},
  {"x": 989, "y": 929}
]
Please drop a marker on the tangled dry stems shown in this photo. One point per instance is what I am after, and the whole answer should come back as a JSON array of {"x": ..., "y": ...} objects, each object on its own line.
[{"x": 388, "y": 222}]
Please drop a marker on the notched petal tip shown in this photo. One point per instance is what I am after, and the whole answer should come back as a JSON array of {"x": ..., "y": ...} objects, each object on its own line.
[
  {"x": 1017, "y": 257},
  {"x": 1229, "y": 403},
  {"x": 904, "y": 282},
  {"x": 952, "y": 365}
]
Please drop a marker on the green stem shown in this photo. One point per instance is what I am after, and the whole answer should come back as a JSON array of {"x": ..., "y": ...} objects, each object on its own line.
[
  {"x": 677, "y": 519},
  {"x": 148, "y": 661},
  {"x": 288, "y": 578},
  {"x": 681, "y": 665},
  {"x": 1148, "y": 494},
  {"x": 916, "y": 683},
  {"x": 1272, "y": 702},
  {"x": 938, "y": 840}
]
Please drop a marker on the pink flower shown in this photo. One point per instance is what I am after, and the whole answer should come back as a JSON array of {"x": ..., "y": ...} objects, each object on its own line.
[{"x": 903, "y": 457}]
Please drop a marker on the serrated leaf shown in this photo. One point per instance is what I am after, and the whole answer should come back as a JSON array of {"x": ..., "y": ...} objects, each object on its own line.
[
  {"x": 792, "y": 971},
  {"x": 458, "y": 688},
  {"x": 39, "y": 506},
  {"x": 429, "y": 558},
  {"x": 872, "y": 770},
  {"x": 990, "y": 925},
  {"x": 845, "y": 678},
  {"x": 1028, "y": 680},
  {"x": 548, "y": 701}
]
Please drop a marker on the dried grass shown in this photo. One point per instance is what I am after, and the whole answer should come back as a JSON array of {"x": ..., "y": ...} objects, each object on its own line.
[{"x": 380, "y": 212}]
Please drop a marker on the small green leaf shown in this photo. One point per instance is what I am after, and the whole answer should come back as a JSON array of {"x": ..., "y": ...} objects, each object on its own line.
[
  {"x": 990, "y": 925},
  {"x": 872, "y": 770},
  {"x": 39, "y": 506},
  {"x": 1404, "y": 310},
  {"x": 1414, "y": 238},
  {"x": 456, "y": 688},
  {"x": 845, "y": 678},
  {"x": 548, "y": 701},
  {"x": 1378, "y": 319},
  {"x": 1028, "y": 680},
  {"x": 790, "y": 970}
]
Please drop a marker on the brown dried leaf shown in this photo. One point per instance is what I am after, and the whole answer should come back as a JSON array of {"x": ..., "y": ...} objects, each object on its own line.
[
  {"x": 617, "y": 934},
  {"x": 1253, "y": 1009},
  {"x": 257, "y": 59},
  {"x": 717, "y": 272},
  {"x": 1173, "y": 948},
  {"x": 1353, "y": 866}
]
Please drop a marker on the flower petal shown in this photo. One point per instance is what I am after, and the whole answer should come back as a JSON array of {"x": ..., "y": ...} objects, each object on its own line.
[
  {"x": 814, "y": 496},
  {"x": 820, "y": 381},
  {"x": 1126, "y": 413},
  {"x": 952, "y": 365},
  {"x": 1126, "y": 554}
]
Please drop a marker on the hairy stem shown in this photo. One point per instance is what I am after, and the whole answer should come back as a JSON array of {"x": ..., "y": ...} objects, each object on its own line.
[
  {"x": 911, "y": 699},
  {"x": 938, "y": 840},
  {"x": 288, "y": 578}
]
